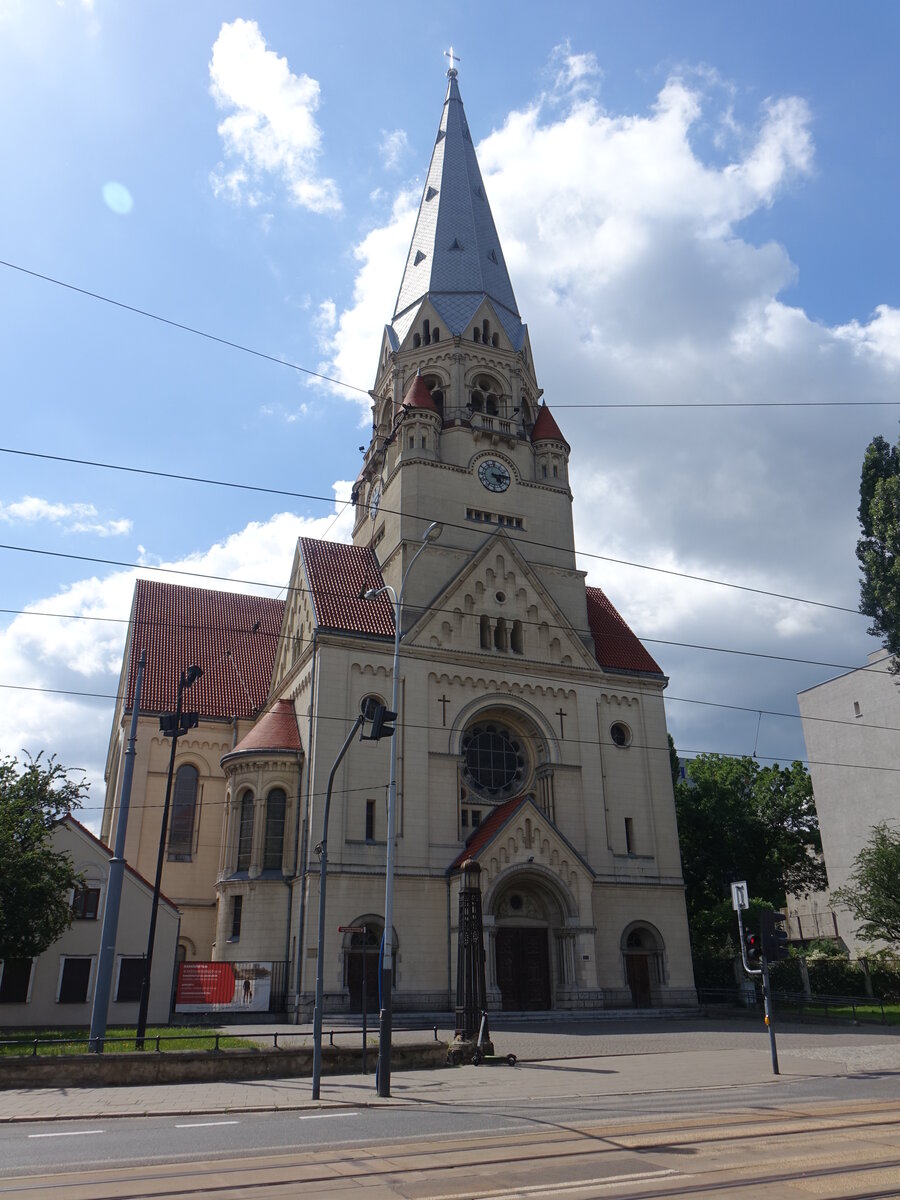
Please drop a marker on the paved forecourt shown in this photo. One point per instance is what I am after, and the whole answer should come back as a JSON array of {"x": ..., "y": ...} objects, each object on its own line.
[{"x": 555, "y": 1060}]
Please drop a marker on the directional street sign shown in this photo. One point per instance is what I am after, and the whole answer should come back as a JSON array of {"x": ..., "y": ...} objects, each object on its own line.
[{"x": 739, "y": 898}]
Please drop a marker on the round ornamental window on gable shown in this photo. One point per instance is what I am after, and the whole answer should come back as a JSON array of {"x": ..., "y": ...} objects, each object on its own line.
[
  {"x": 496, "y": 765},
  {"x": 620, "y": 734}
]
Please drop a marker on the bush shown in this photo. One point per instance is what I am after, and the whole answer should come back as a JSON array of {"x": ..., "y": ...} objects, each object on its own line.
[
  {"x": 714, "y": 971},
  {"x": 836, "y": 977}
]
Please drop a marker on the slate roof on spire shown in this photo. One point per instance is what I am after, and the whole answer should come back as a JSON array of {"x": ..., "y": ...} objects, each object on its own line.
[{"x": 455, "y": 258}]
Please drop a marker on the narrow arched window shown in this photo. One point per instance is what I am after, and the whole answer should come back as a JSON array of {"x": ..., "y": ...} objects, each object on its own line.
[
  {"x": 435, "y": 335},
  {"x": 500, "y": 635},
  {"x": 517, "y": 641},
  {"x": 426, "y": 331},
  {"x": 184, "y": 807},
  {"x": 245, "y": 833},
  {"x": 417, "y": 341},
  {"x": 485, "y": 632},
  {"x": 476, "y": 334},
  {"x": 485, "y": 331},
  {"x": 275, "y": 808}
]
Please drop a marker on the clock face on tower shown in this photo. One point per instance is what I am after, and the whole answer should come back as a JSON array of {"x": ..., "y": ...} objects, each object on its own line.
[
  {"x": 374, "y": 501},
  {"x": 494, "y": 475}
]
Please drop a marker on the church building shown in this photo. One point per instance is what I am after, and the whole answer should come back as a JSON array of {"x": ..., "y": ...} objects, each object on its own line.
[{"x": 531, "y": 734}]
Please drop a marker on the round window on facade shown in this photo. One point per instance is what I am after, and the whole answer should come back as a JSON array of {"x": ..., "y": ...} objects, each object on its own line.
[
  {"x": 495, "y": 763},
  {"x": 620, "y": 734}
]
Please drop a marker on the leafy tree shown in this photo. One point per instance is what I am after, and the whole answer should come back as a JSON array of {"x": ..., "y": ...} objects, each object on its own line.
[
  {"x": 738, "y": 820},
  {"x": 878, "y": 550},
  {"x": 35, "y": 879},
  {"x": 674, "y": 762},
  {"x": 873, "y": 893}
]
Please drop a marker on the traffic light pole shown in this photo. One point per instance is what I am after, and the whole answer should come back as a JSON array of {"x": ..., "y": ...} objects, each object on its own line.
[
  {"x": 767, "y": 1008},
  {"x": 767, "y": 989}
]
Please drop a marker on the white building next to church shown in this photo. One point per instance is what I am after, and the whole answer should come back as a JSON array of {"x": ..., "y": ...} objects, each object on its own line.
[
  {"x": 850, "y": 726},
  {"x": 531, "y": 734}
]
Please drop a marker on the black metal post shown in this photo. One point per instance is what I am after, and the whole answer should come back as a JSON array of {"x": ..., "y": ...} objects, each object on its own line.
[
  {"x": 767, "y": 1006},
  {"x": 320, "y": 943},
  {"x": 365, "y": 992},
  {"x": 471, "y": 990},
  {"x": 109, "y": 931},
  {"x": 184, "y": 681}
]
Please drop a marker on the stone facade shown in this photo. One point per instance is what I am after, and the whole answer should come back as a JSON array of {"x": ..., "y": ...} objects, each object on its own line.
[{"x": 531, "y": 733}]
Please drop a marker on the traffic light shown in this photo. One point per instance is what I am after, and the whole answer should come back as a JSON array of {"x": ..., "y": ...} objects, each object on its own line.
[
  {"x": 774, "y": 937},
  {"x": 381, "y": 727},
  {"x": 751, "y": 945}
]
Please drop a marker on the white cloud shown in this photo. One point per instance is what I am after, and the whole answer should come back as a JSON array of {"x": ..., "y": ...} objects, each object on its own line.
[
  {"x": 573, "y": 73},
  {"x": 273, "y": 131},
  {"x": 626, "y": 248},
  {"x": 44, "y": 656},
  {"x": 72, "y": 518},
  {"x": 394, "y": 147}
]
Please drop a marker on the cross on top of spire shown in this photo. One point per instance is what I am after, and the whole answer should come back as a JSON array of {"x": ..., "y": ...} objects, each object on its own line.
[{"x": 452, "y": 72}]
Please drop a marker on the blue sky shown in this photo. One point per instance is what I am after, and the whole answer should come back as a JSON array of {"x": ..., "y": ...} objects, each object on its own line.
[{"x": 697, "y": 203}]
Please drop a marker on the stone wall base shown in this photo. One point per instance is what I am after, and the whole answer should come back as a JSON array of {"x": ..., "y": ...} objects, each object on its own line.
[{"x": 203, "y": 1066}]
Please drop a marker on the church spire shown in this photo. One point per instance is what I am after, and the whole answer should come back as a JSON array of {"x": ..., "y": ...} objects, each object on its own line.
[{"x": 455, "y": 259}]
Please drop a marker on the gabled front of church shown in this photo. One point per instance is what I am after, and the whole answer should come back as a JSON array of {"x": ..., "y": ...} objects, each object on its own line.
[{"x": 531, "y": 735}]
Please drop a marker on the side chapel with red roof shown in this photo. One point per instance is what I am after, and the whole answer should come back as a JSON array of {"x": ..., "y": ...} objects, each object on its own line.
[{"x": 531, "y": 735}]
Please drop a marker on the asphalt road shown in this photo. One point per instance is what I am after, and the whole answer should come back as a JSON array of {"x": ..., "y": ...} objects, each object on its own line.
[{"x": 27, "y": 1148}]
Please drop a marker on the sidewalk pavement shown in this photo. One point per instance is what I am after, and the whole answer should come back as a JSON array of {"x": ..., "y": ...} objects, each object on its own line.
[{"x": 556, "y": 1060}]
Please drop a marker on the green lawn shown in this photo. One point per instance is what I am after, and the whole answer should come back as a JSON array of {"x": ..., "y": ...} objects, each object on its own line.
[
  {"x": 845, "y": 1012},
  {"x": 118, "y": 1041}
]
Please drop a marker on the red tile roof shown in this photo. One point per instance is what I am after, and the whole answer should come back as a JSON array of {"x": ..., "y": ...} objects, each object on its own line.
[
  {"x": 615, "y": 646},
  {"x": 418, "y": 395},
  {"x": 276, "y": 730},
  {"x": 338, "y": 576},
  {"x": 231, "y": 636},
  {"x": 485, "y": 832},
  {"x": 546, "y": 428}
]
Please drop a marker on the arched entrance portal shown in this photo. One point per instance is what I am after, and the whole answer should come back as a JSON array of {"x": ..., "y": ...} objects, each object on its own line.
[
  {"x": 643, "y": 954},
  {"x": 526, "y": 911},
  {"x": 361, "y": 952}
]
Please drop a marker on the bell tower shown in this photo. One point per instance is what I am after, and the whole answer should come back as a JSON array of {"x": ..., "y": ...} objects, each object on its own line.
[{"x": 459, "y": 431}]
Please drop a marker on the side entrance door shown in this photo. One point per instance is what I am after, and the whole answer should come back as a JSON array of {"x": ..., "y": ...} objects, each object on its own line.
[
  {"x": 637, "y": 972},
  {"x": 523, "y": 968}
]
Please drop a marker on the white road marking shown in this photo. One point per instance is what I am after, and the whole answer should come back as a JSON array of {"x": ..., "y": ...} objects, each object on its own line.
[
  {"x": 534, "y": 1190},
  {"x": 68, "y": 1133},
  {"x": 325, "y": 1116},
  {"x": 206, "y": 1124}
]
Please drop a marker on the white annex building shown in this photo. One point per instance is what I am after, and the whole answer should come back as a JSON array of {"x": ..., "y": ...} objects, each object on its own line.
[
  {"x": 850, "y": 726},
  {"x": 531, "y": 734}
]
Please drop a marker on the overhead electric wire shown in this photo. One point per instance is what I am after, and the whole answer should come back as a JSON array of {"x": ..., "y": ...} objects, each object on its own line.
[
  {"x": 743, "y": 708},
  {"x": 624, "y": 562},
  {"x": 212, "y": 337},
  {"x": 872, "y": 668},
  {"x": 283, "y": 362}
]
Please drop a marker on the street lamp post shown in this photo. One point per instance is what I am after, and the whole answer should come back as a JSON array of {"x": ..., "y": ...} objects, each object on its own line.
[
  {"x": 171, "y": 727},
  {"x": 383, "y": 1074}
]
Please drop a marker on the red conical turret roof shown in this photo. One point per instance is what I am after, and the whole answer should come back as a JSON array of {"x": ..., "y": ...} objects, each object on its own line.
[
  {"x": 418, "y": 395},
  {"x": 546, "y": 428},
  {"x": 275, "y": 732}
]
